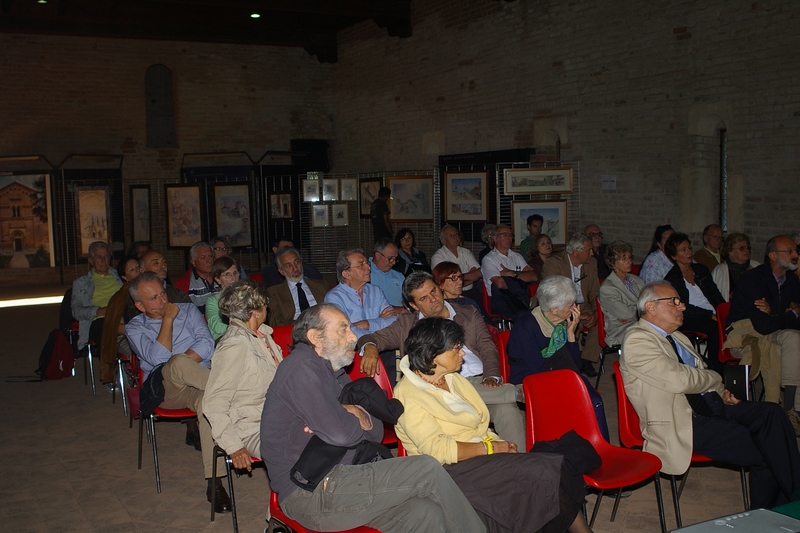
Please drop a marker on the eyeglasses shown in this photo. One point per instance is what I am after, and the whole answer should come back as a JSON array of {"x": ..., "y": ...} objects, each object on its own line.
[
  {"x": 220, "y": 249},
  {"x": 455, "y": 277},
  {"x": 625, "y": 258},
  {"x": 676, "y": 301},
  {"x": 390, "y": 259},
  {"x": 788, "y": 251},
  {"x": 407, "y": 238},
  {"x": 505, "y": 234},
  {"x": 743, "y": 248},
  {"x": 360, "y": 264},
  {"x": 595, "y": 234},
  {"x": 714, "y": 236},
  {"x": 578, "y": 280},
  {"x": 228, "y": 275}
]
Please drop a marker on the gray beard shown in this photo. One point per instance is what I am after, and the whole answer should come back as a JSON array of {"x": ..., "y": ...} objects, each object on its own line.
[{"x": 341, "y": 360}]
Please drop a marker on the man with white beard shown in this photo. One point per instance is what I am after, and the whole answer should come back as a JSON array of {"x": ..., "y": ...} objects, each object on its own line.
[
  {"x": 296, "y": 294},
  {"x": 775, "y": 322}
]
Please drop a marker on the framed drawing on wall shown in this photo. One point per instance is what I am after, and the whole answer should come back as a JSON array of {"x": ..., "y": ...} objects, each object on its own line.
[
  {"x": 549, "y": 180},
  {"x": 339, "y": 214},
  {"x": 349, "y": 189},
  {"x": 465, "y": 196},
  {"x": 311, "y": 191},
  {"x": 368, "y": 193},
  {"x": 140, "y": 213},
  {"x": 280, "y": 205},
  {"x": 184, "y": 223},
  {"x": 319, "y": 216},
  {"x": 330, "y": 190},
  {"x": 26, "y": 216},
  {"x": 412, "y": 198},
  {"x": 91, "y": 210},
  {"x": 553, "y": 212},
  {"x": 232, "y": 213}
]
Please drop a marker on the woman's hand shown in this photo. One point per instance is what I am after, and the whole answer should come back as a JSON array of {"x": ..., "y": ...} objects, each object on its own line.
[
  {"x": 241, "y": 459},
  {"x": 501, "y": 446},
  {"x": 573, "y": 322}
]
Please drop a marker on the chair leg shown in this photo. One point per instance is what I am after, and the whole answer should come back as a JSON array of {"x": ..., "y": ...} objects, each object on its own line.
[
  {"x": 152, "y": 424},
  {"x": 91, "y": 369},
  {"x": 123, "y": 393},
  {"x": 85, "y": 373},
  {"x": 683, "y": 482},
  {"x": 596, "y": 508},
  {"x": 744, "y": 491},
  {"x": 616, "y": 504},
  {"x": 228, "y": 462},
  {"x": 676, "y": 501},
  {"x": 660, "y": 501},
  {"x": 141, "y": 432},
  {"x": 602, "y": 369},
  {"x": 214, "y": 456}
]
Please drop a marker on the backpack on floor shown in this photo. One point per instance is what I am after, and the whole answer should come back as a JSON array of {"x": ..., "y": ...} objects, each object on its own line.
[{"x": 57, "y": 358}]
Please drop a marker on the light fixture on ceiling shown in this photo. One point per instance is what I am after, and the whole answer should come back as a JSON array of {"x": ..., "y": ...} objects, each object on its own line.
[
  {"x": 255, "y": 16},
  {"x": 41, "y": 1}
]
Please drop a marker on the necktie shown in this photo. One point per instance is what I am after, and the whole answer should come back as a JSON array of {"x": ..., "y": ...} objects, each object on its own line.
[
  {"x": 696, "y": 401},
  {"x": 301, "y": 297}
]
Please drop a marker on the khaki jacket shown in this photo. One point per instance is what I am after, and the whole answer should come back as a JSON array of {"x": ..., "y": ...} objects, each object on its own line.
[{"x": 558, "y": 265}]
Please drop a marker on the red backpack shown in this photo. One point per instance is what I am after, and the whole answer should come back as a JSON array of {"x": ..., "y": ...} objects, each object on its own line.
[{"x": 57, "y": 358}]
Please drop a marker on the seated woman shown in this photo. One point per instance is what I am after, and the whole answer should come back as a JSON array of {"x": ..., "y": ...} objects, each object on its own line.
[
  {"x": 245, "y": 362},
  {"x": 542, "y": 249},
  {"x": 619, "y": 292},
  {"x": 449, "y": 278},
  {"x": 409, "y": 258},
  {"x": 736, "y": 261},
  {"x": 546, "y": 339},
  {"x": 699, "y": 293},
  {"x": 444, "y": 417},
  {"x": 657, "y": 264},
  {"x": 225, "y": 272},
  {"x": 113, "y": 336}
]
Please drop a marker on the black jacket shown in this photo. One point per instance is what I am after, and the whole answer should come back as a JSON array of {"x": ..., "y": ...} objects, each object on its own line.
[
  {"x": 757, "y": 283},
  {"x": 703, "y": 279}
]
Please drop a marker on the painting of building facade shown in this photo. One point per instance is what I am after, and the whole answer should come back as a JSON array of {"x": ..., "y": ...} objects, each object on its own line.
[{"x": 24, "y": 222}]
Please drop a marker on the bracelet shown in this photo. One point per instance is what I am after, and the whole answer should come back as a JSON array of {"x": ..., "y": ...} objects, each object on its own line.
[{"x": 489, "y": 447}]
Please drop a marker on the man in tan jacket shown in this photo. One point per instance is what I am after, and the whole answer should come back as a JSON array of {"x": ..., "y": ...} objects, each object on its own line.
[{"x": 684, "y": 408}]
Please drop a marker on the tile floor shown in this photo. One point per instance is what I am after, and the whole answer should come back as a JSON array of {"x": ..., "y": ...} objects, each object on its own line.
[{"x": 69, "y": 460}]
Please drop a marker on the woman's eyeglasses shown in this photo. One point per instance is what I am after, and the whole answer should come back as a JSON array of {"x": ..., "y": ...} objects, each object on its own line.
[{"x": 455, "y": 277}]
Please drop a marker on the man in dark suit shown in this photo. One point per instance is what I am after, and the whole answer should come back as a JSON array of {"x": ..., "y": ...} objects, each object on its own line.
[
  {"x": 577, "y": 264},
  {"x": 296, "y": 294},
  {"x": 481, "y": 364}
]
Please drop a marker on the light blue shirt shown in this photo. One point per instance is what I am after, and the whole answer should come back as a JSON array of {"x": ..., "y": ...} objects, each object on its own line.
[
  {"x": 347, "y": 299},
  {"x": 686, "y": 356},
  {"x": 391, "y": 283},
  {"x": 189, "y": 332}
]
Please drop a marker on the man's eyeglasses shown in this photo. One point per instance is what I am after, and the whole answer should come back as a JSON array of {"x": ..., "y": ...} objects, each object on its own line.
[
  {"x": 455, "y": 277},
  {"x": 676, "y": 301},
  {"x": 220, "y": 249},
  {"x": 578, "y": 280},
  {"x": 505, "y": 234},
  {"x": 789, "y": 250},
  {"x": 390, "y": 259},
  {"x": 595, "y": 234},
  {"x": 358, "y": 265}
]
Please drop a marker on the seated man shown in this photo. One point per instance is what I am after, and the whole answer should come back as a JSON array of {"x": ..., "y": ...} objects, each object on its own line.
[
  {"x": 684, "y": 407},
  {"x": 270, "y": 275},
  {"x": 153, "y": 261},
  {"x": 453, "y": 252},
  {"x": 480, "y": 367},
  {"x": 534, "y": 224},
  {"x": 364, "y": 304},
  {"x": 766, "y": 304},
  {"x": 709, "y": 254},
  {"x": 506, "y": 275},
  {"x": 198, "y": 282},
  {"x": 91, "y": 293},
  {"x": 296, "y": 294},
  {"x": 174, "y": 341},
  {"x": 576, "y": 263},
  {"x": 393, "y": 495},
  {"x": 598, "y": 249},
  {"x": 382, "y": 275}
]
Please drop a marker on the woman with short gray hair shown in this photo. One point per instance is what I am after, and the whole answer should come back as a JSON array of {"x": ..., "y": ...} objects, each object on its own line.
[
  {"x": 546, "y": 339},
  {"x": 244, "y": 364},
  {"x": 619, "y": 291}
]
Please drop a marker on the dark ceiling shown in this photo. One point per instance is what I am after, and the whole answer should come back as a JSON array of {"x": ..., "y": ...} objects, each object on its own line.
[{"x": 310, "y": 24}]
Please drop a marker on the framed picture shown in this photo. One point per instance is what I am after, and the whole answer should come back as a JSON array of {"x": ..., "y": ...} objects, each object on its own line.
[
  {"x": 311, "y": 191},
  {"x": 280, "y": 205},
  {"x": 91, "y": 210},
  {"x": 412, "y": 198},
  {"x": 553, "y": 212},
  {"x": 368, "y": 193},
  {"x": 140, "y": 213},
  {"x": 349, "y": 189},
  {"x": 184, "y": 224},
  {"x": 319, "y": 216},
  {"x": 465, "y": 196},
  {"x": 339, "y": 214},
  {"x": 330, "y": 190},
  {"x": 26, "y": 215},
  {"x": 232, "y": 213},
  {"x": 551, "y": 180}
]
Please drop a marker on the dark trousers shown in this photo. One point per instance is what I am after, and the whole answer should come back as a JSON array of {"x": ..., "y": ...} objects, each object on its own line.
[
  {"x": 96, "y": 334},
  {"x": 757, "y": 435},
  {"x": 511, "y": 301},
  {"x": 389, "y": 359}
]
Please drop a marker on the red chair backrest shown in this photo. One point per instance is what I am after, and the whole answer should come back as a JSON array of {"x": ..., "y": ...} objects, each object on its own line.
[
  {"x": 500, "y": 340},
  {"x": 557, "y": 402},
  {"x": 635, "y": 269},
  {"x": 282, "y": 335},
  {"x": 255, "y": 276},
  {"x": 532, "y": 288},
  {"x": 381, "y": 378},
  {"x": 485, "y": 298},
  {"x": 722, "y": 317},
  {"x": 601, "y": 325},
  {"x": 630, "y": 435}
]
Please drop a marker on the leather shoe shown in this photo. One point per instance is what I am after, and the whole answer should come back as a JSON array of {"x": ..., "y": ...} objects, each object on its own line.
[
  {"x": 587, "y": 369},
  {"x": 223, "y": 502},
  {"x": 193, "y": 439}
]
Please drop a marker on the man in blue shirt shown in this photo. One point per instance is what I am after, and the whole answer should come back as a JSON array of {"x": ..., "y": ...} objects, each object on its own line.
[
  {"x": 174, "y": 340},
  {"x": 390, "y": 281}
]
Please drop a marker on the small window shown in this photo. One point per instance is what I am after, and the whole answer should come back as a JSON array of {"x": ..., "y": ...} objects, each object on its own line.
[{"x": 160, "y": 108}]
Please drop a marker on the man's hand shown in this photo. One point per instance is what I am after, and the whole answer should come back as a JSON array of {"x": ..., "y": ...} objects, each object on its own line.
[
  {"x": 589, "y": 319},
  {"x": 362, "y": 324},
  {"x": 728, "y": 398},
  {"x": 101, "y": 311},
  {"x": 194, "y": 356},
  {"x": 369, "y": 361},
  {"x": 169, "y": 312},
  {"x": 507, "y": 271},
  {"x": 490, "y": 382},
  {"x": 363, "y": 417},
  {"x": 794, "y": 307},
  {"x": 763, "y": 306},
  {"x": 501, "y": 446},
  {"x": 241, "y": 459}
]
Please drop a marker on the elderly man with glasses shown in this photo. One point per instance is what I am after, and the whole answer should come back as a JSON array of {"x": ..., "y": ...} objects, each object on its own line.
[
  {"x": 709, "y": 255},
  {"x": 684, "y": 407},
  {"x": 390, "y": 281}
]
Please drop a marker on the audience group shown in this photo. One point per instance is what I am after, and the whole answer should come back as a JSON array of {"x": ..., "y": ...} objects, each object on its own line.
[{"x": 205, "y": 343}]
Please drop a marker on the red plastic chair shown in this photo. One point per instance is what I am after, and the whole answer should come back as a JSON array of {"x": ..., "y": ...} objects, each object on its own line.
[
  {"x": 282, "y": 335},
  {"x": 725, "y": 356},
  {"x": 157, "y": 415},
  {"x": 255, "y": 276},
  {"x": 557, "y": 402},
  {"x": 635, "y": 269},
  {"x": 532, "y": 288},
  {"x": 601, "y": 339},
  {"x": 630, "y": 436},
  {"x": 500, "y": 340},
  {"x": 503, "y": 322},
  {"x": 382, "y": 379},
  {"x": 277, "y": 514}
]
